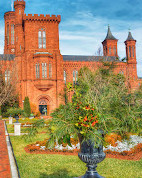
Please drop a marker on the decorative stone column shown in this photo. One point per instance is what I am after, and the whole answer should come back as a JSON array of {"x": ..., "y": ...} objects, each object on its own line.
[
  {"x": 17, "y": 128},
  {"x": 10, "y": 120}
]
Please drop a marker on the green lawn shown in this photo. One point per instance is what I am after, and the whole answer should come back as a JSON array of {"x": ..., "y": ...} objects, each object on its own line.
[
  {"x": 10, "y": 127},
  {"x": 61, "y": 166}
]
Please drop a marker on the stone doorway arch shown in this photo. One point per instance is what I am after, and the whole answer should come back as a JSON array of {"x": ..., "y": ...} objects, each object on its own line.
[{"x": 44, "y": 105}]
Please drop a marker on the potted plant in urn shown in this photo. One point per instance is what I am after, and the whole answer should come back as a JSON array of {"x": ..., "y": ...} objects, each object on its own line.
[{"x": 99, "y": 105}]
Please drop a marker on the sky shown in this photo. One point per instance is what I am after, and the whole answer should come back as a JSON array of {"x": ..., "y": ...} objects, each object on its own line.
[{"x": 84, "y": 23}]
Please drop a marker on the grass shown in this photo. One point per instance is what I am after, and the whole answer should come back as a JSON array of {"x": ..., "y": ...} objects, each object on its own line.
[
  {"x": 10, "y": 127},
  {"x": 62, "y": 166}
]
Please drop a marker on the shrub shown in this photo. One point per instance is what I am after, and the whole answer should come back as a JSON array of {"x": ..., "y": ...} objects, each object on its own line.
[
  {"x": 27, "y": 108},
  {"x": 14, "y": 111}
]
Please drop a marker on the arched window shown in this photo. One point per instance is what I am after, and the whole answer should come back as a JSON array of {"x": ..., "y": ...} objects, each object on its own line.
[
  {"x": 65, "y": 77},
  {"x": 109, "y": 50},
  {"x": 106, "y": 50},
  {"x": 12, "y": 34},
  {"x": 41, "y": 39},
  {"x": 75, "y": 76},
  {"x": 129, "y": 51},
  {"x": 8, "y": 34},
  {"x": 44, "y": 70},
  {"x": 114, "y": 50},
  {"x": 133, "y": 51},
  {"x": 50, "y": 70},
  {"x": 37, "y": 70},
  {"x": 7, "y": 76}
]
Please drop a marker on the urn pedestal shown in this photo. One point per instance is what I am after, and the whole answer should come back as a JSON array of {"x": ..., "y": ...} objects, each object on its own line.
[{"x": 91, "y": 156}]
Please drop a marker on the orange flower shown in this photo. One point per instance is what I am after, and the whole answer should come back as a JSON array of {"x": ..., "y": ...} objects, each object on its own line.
[
  {"x": 85, "y": 119},
  {"x": 96, "y": 121},
  {"x": 87, "y": 107}
]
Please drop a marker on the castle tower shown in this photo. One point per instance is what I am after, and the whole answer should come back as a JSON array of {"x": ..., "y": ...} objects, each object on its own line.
[
  {"x": 9, "y": 46},
  {"x": 130, "y": 44},
  {"x": 130, "y": 49},
  {"x": 19, "y": 6},
  {"x": 110, "y": 44}
]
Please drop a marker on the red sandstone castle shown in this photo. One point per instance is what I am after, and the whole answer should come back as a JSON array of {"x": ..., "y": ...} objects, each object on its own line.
[{"x": 33, "y": 41}]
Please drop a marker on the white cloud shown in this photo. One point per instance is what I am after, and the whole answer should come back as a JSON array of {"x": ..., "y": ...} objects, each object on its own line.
[{"x": 93, "y": 31}]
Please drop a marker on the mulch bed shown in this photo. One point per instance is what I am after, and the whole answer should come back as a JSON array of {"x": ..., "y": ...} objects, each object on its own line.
[{"x": 133, "y": 157}]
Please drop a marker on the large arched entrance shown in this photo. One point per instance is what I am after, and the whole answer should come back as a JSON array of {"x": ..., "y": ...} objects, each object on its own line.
[{"x": 44, "y": 106}]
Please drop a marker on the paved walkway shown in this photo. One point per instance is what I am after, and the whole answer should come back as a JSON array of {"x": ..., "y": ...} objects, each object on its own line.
[{"x": 4, "y": 159}]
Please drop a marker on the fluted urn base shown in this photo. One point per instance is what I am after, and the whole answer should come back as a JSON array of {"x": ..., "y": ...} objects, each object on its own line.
[
  {"x": 91, "y": 156},
  {"x": 91, "y": 172}
]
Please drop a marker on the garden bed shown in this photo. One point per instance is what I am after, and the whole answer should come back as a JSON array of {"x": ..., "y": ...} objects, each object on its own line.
[{"x": 133, "y": 154}]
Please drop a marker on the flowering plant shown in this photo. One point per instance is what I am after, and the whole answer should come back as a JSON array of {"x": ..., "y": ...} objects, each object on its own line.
[{"x": 100, "y": 103}]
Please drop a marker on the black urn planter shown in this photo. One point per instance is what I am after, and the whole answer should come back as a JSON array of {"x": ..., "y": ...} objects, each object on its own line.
[
  {"x": 91, "y": 156},
  {"x": 17, "y": 118}
]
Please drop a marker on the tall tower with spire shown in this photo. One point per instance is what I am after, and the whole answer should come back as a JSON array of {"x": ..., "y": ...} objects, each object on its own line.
[
  {"x": 110, "y": 44},
  {"x": 130, "y": 44}
]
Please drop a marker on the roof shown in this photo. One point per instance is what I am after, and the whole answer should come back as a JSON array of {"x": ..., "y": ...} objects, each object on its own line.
[
  {"x": 89, "y": 58},
  {"x": 5, "y": 57},
  {"x": 109, "y": 35},
  {"x": 129, "y": 38}
]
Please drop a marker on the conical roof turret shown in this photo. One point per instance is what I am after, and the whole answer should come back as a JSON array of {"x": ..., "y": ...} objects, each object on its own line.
[
  {"x": 130, "y": 37},
  {"x": 109, "y": 35}
]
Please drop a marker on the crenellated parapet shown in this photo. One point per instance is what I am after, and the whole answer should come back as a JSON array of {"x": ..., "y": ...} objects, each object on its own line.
[
  {"x": 42, "y": 17},
  {"x": 19, "y": 3},
  {"x": 9, "y": 15}
]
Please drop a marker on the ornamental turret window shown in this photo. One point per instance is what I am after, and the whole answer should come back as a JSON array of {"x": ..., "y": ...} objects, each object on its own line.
[
  {"x": 129, "y": 51},
  {"x": 12, "y": 34},
  {"x": 42, "y": 39},
  {"x": 7, "y": 34},
  {"x": 133, "y": 51}
]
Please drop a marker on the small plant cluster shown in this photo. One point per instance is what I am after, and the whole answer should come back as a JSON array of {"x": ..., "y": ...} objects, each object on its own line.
[
  {"x": 87, "y": 117},
  {"x": 43, "y": 146},
  {"x": 26, "y": 123},
  {"x": 132, "y": 151},
  {"x": 112, "y": 139}
]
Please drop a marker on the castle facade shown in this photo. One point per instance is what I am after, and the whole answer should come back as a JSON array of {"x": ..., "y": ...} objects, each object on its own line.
[{"x": 33, "y": 42}]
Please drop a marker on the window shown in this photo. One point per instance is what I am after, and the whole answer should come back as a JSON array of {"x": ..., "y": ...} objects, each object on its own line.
[
  {"x": 37, "y": 70},
  {"x": 65, "y": 77},
  {"x": 50, "y": 70},
  {"x": 12, "y": 34},
  {"x": 8, "y": 34},
  {"x": 75, "y": 76},
  {"x": 39, "y": 40},
  {"x": 133, "y": 51},
  {"x": 44, "y": 70},
  {"x": 109, "y": 50},
  {"x": 42, "y": 39},
  {"x": 7, "y": 76},
  {"x": 114, "y": 49},
  {"x": 106, "y": 50},
  {"x": 129, "y": 51}
]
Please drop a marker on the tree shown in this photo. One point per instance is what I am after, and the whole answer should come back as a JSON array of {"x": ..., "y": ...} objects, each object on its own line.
[
  {"x": 108, "y": 92},
  {"x": 27, "y": 108},
  {"x": 8, "y": 79}
]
